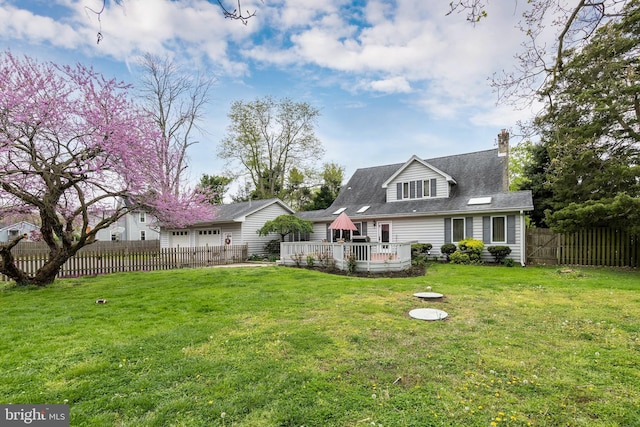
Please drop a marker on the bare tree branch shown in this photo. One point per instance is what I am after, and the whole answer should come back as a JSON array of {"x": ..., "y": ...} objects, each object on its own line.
[{"x": 235, "y": 14}]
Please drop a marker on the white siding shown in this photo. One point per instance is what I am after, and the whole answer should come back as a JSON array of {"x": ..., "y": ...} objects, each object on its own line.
[
  {"x": 133, "y": 226},
  {"x": 416, "y": 171},
  {"x": 431, "y": 230},
  {"x": 254, "y": 222},
  {"x": 319, "y": 231},
  {"x": 235, "y": 230}
]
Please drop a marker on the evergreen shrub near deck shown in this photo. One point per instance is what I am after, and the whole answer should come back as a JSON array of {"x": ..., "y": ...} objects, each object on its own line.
[{"x": 273, "y": 346}]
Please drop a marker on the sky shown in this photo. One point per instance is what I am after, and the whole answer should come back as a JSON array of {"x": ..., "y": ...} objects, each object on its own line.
[{"x": 390, "y": 78}]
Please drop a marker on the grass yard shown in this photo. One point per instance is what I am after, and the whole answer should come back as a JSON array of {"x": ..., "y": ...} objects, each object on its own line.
[{"x": 275, "y": 346}]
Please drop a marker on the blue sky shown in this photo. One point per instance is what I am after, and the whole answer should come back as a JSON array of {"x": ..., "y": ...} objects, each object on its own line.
[{"x": 390, "y": 78}]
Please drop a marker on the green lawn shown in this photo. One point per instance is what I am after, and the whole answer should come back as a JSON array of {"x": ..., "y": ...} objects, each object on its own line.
[{"x": 277, "y": 346}]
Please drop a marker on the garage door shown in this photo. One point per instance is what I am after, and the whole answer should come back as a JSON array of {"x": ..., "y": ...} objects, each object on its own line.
[
  {"x": 209, "y": 237},
  {"x": 180, "y": 238}
]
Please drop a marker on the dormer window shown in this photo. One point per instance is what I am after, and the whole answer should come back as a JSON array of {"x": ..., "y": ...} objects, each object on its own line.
[{"x": 420, "y": 189}]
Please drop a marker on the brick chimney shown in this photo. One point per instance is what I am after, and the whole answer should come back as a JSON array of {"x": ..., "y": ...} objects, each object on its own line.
[
  {"x": 503, "y": 151},
  {"x": 503, "y": 143}
]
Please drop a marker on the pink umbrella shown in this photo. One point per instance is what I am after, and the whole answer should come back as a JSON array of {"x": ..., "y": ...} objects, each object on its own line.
[{"x": 343, "y": 222}]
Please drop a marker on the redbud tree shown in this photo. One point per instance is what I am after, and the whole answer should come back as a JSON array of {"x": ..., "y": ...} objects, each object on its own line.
[{"x": 71, "y": 144}]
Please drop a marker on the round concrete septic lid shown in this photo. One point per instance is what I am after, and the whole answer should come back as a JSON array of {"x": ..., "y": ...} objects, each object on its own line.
[
  {"x": 428, "y": 314},
  {"x": 429, "y": 295}
]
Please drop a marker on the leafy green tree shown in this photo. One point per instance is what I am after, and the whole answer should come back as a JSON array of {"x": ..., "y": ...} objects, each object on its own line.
[
  {"x": 267, "y": 139},
  {"x": 285, "y": 225},
  {"x": 591, "y": 129},
  {"x": 532, "y": 172},
  {"x": 215, "y": 186},
  {"x": 621, "y": 211},
  {"x": 298, "y": 194},
  {"x": 332, "y": 176}
]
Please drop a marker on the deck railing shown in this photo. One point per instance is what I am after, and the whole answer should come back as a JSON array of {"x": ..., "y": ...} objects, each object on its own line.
[{"x": 372, "y": 257}]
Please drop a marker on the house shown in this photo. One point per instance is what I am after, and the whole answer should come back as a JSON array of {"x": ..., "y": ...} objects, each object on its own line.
[
  {"x": 437, "y": 201},
  {"x": 134, "y": 226},
  {"x": 234, "y": 224},
  {"x": 11, "y": 231}
]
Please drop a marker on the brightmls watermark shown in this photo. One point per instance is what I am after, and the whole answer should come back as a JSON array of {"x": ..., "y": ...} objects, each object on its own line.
[{"x": 34, "y": 415}]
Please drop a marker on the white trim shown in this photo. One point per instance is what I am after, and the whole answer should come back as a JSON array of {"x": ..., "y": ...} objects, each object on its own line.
[
  {"x": 379, "y": 231},
  {"x": 464, "y": 228},
  {"x": 505, "y": 229},
  {"x": 523, "y": 243},
  {"x": 415, "y": 158}
]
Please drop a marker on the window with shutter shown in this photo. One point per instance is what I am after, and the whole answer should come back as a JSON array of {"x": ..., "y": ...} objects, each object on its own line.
[{"x": 499, "y": 229}]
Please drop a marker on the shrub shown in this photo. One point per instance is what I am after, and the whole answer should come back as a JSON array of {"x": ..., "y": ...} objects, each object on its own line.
[
  {"x": 499, "y": 253},
  {"x": 310, "y": 260},
  {"x": 351, "y": 263},
  {"x": 418, "y": 249},
  {"x": 420, "y": 261},
  {"x": 460, "y": 258},
  {"x": 297, "y": 258},
  {"x": 273, "y": 247},
  {"x": 447, "y": 249},
  {"x": 509, "y": 262},
  {"x": 473, "y": 248}
]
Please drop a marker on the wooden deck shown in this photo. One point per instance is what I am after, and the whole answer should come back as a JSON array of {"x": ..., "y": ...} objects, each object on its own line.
[{"x": 371, "y": 257}]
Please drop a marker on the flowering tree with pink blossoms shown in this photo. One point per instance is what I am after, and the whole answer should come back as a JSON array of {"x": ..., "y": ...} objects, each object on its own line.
[{"x": 71, "y": 144}]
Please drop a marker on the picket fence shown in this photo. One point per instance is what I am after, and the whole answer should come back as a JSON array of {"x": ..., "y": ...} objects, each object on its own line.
[
  {"x": 597, "y": 247},
  {"x": 114, "y": 258}
]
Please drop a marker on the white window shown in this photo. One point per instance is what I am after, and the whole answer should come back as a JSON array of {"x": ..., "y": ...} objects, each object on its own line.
[
  {"x": 419, "y": 189},
  {"x": 499, "y": 229},
  {"x": 457, "y": 229},
  {"x": 143, "y": 235},
  {"x": 143, "y": 217}
]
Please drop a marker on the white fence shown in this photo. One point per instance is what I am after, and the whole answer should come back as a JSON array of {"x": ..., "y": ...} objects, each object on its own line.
[{"x": 372, "y": 257}]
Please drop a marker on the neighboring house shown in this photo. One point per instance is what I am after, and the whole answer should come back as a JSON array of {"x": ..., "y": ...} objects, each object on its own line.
[
  {"x": 234, "y": 224},
  {"x": 135, "y": 225},
  {"x": 437, "y": 201},
  {"x": 11, "y": 231}
]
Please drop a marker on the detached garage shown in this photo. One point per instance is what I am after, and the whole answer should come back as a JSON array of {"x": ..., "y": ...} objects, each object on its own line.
[{"x": 234, "y": 224}]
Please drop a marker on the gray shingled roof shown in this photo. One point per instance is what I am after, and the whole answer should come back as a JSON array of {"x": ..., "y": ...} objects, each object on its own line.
[
  {"x": 236, "y": 211},
  {"x": 477, "y": 174}
]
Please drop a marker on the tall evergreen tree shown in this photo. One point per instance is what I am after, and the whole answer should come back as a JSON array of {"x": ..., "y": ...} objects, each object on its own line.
[{"x": 591, "y": 129}]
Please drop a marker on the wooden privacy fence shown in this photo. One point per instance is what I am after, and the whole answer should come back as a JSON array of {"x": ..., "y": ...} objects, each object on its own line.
[
  {"x": 599, "y": 246},
  {"x": 112, "y": 260}
]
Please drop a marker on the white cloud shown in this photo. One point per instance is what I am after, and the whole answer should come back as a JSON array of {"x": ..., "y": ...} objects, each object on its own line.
[
  {"x": 391, "y": 85},
  {"x": 22, "y": 24}
]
